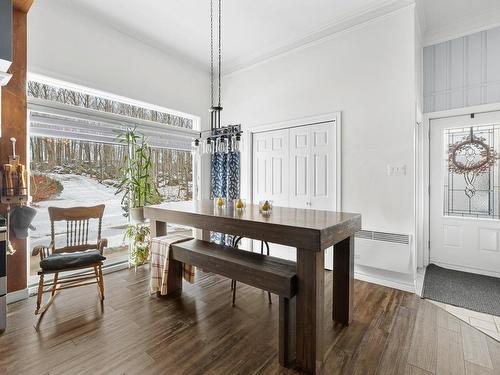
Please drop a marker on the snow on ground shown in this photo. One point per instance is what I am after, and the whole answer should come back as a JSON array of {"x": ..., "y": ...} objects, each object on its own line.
[{"x": 81, "y": 191}]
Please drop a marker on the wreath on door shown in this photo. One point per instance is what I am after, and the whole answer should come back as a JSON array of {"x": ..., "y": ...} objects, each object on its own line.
[{"x": 471, "y": 157}]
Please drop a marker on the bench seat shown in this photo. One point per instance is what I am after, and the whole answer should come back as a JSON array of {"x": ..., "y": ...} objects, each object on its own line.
[
  {"x": 268, "y": 273},
  {"x": 275, "y": 275}
]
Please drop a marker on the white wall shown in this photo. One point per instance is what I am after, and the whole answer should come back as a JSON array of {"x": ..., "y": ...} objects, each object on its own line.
[
  {"x": 73, "y": 47},
  {"x": 368, "y": 73}
]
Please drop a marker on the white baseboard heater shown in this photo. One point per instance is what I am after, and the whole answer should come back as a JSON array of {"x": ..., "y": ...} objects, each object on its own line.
[{"x": 386, "y": 251}]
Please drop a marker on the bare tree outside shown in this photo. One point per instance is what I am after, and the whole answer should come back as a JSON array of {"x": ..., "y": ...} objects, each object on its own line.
[{"x": 77, "y": 172}]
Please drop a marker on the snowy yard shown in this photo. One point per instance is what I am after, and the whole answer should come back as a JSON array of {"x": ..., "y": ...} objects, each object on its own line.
[
  {"x": 80, "y": 191},
  {"x": 85, "y": 191}
]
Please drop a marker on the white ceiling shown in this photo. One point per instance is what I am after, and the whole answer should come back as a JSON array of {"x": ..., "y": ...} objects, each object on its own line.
[
  {"x": 257, "y": 29},
  {"x": 445, "y": 19},
  {"x": 252, "y": 29}
]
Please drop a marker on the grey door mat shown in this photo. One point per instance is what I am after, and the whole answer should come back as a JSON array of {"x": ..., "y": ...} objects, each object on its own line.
[{"x": 468, "y": 290}]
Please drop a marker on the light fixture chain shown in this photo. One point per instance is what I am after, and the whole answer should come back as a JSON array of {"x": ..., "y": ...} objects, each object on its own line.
[
  {"x": 220, "y": 51},
  {"x": 212, "y": 53}
]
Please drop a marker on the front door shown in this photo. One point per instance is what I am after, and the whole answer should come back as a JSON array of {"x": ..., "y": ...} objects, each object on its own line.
[{"x": 464, "y": 193}]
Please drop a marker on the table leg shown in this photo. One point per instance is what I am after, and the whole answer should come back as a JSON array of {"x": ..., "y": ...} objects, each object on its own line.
[
  {"x": 310, "y": 306},
  {"x": 205, "y": 235},
  {"x": 343, "y": 281},
  {"x": 174, "y": 279},
  {"x": 158, "y": 228},
  {"x": 287, "y": 326}
]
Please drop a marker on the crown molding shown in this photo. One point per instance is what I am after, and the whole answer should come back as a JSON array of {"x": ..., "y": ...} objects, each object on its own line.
[
  {"x": 374, "y": 10},
  {"x": 333, "y": 32},
  {"x": 462, "y": 27}
]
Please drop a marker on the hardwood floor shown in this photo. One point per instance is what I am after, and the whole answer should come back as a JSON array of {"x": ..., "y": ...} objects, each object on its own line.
[{"x": 393, "y": 332}]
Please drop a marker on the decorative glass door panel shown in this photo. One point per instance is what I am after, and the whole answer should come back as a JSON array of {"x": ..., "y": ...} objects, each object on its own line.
[
  {"x": 472, "y": 175},
  {"x": 464, "y": 193}
]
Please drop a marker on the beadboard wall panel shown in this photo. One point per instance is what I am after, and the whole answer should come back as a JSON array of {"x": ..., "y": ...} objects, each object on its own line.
[{"x": 462, "y": 72}]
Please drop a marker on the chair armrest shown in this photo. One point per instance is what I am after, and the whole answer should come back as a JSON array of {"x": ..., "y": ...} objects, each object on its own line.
[
  {"x": 43, "y": 251},
  {"x": 101, "y": 244}
]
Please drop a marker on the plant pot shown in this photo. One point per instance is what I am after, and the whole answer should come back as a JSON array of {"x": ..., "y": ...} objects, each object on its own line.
[
  {"x": 139, "y": 255},
  {"x": 137, "y": 214}
]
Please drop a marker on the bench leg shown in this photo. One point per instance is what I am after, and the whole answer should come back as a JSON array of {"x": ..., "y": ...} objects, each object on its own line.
[
  {"x": 175, "y": 268},
  {"x": 174, "y": 278},
  {"x": 287, "y": 335}
]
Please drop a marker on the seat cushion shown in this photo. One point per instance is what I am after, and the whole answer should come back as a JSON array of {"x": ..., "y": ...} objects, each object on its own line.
[{"x": 61, "y": 261}]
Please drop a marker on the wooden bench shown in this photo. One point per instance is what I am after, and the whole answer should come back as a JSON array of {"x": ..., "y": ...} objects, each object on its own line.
[{"x": 268, "y": 273}]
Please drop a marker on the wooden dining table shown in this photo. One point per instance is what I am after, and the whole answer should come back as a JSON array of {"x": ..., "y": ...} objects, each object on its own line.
[{"x": 310, "y": 232}]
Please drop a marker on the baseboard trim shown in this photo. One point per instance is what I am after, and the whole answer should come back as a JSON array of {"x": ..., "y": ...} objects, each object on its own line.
[
  {"x": 455, "y": 267},
  {"x": 18, "y": 295},
  {"x": 407, "y": 287}
]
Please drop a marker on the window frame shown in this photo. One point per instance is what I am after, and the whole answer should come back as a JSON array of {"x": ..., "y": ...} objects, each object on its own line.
[{"x": 120, "y": 121}]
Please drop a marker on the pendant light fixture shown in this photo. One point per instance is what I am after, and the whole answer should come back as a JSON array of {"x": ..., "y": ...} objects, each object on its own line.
[{"x": 219, "y": 138}]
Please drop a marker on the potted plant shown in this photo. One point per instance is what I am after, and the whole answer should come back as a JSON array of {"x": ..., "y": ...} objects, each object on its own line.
[
  {"x": 139, "y": 237},
  {"x": 136, "y": 186}
]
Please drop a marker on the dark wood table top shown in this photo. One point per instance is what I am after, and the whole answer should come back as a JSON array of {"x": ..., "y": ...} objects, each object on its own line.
[{"x": 311, "y": 229}]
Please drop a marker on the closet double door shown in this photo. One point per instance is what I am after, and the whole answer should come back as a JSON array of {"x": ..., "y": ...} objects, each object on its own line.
[
  {"x": 296, "y": 167},
  {"x": 311, "y": 173}
]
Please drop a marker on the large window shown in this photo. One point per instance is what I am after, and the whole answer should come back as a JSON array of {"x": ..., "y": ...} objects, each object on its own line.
[
  {"x": 85, "y": 100},
  {"x": 75, "y": 161}
]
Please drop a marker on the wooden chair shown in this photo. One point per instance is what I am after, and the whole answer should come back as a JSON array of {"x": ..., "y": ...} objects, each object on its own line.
[{"x": 78, "y": 254}]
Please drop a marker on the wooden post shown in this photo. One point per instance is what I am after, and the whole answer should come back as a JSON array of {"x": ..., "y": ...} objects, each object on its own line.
[
  {"x": 343, "y": 280},
  {"x": 310, "y": 307},
  {"x": 14, "y": 115},
  {"x": 158, "y": 228},
  {"x": 287, "y": 336}
]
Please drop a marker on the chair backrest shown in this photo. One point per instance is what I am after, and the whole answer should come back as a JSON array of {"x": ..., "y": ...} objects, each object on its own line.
[{"x": 77, "y": 226}]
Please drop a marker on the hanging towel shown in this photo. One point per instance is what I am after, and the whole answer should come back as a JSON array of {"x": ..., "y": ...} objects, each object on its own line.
[{"x": 160, "y": 250}]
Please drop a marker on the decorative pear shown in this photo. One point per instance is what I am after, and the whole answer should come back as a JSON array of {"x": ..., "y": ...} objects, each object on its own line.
[
  {"x": 239, "y": 203},
  {"x": 220, "y": 202},
  {"x": 266, "y": 206}
]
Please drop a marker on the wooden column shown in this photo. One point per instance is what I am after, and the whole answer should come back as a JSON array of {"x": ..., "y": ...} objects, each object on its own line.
[
  {"x": 343, "y": 281},
  {"x": 14, "y": 124},
  {"x": 286, "y": 330},
  {"x": 157, "y": 228},
  {"x": 309, "y": 310}
]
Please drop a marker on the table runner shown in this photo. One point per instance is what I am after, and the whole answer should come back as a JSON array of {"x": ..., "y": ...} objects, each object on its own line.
[{"x": 160, "y": 249}]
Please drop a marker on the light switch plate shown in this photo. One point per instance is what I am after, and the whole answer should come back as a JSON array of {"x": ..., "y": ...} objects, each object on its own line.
[{"x": 396, "y": 170}]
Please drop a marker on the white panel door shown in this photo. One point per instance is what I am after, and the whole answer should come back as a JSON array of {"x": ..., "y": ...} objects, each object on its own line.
[
  {"x": 270, "y": 166},
  {"x": 321, "y": 158},
  {"x": 300, "y": 167},
  {"x": 322, "y": 164},
  {"x": 464, "y": 201},
  {"x": 296, "y": 167},
  {"x": 271, "y": 154},
  {"x": 260, "y": 161}
]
